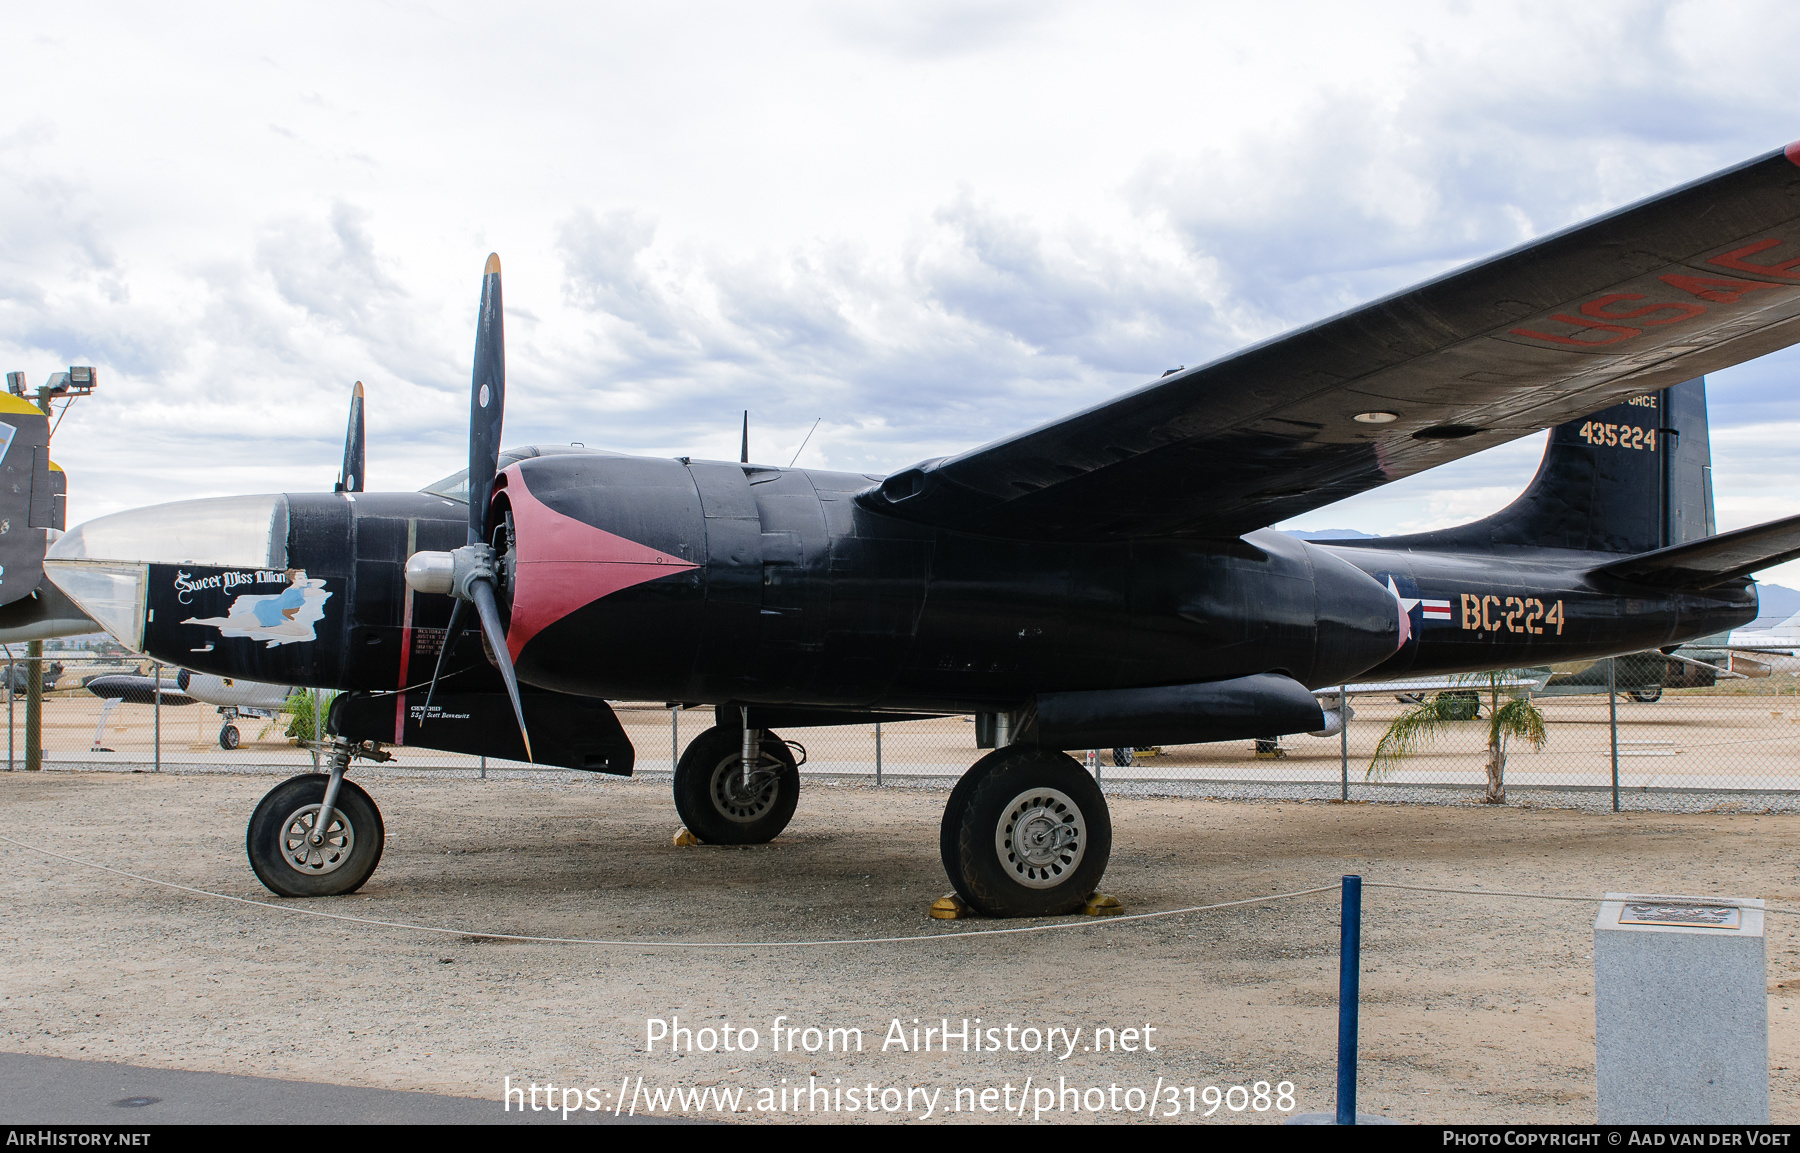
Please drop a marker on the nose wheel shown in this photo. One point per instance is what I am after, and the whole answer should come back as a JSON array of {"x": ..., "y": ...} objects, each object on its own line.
[
  {"x": 318, "y": 835},
  {"x": 297, "y": 856},
  {"x": 722, "y": 804},
  {"x": 1026, "y": 833}
]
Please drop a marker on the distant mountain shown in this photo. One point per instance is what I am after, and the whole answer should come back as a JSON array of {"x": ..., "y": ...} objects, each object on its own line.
[
  {"x": 1335, "y": 534},
  {"x": 1774, "y": 605}
]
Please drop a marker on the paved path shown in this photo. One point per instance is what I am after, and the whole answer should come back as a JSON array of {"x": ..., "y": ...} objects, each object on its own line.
[{"x": 52, "y": 1091}]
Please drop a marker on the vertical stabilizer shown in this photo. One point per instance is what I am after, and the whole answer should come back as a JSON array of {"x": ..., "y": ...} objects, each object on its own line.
[
  {"x": 31, "y": 496},
  {"x": 1629, "y": 479}
]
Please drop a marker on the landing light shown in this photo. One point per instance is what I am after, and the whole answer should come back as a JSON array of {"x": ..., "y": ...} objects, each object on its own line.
[{"x": 1376, "y": 417}]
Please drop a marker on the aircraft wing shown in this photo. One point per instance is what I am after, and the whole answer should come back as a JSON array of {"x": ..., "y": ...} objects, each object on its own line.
[{"x": 1685, "y": 283}]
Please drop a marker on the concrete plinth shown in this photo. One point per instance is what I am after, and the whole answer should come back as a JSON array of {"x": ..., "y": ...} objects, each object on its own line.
[{"x": 1681, "y": 1019}]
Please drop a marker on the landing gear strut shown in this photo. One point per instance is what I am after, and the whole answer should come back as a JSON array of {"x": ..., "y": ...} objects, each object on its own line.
[
  {"x": 318, "y": 835},
  {"x": 1026, "y": 833},
  {"x": 737, "y": 787}
]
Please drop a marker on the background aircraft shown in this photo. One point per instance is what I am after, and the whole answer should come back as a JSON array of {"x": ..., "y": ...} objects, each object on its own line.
[
  {"x": 1105, "y": 580},
  {"x": 234, "y": 698}
]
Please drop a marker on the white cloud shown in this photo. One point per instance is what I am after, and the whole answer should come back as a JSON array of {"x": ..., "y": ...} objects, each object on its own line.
[{"x": 930, "y": 225}]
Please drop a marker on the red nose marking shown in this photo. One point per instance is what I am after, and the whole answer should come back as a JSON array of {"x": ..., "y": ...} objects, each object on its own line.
[
  {"x": 564, "y": 565},
  {"x": 1792, "y": 152}
]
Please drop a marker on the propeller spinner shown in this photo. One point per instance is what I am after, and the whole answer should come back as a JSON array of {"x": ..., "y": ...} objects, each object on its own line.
[{"x": 470, "y": 573}]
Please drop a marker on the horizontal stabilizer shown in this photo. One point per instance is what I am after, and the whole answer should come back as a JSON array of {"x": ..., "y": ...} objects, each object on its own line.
[{"x": 1714, "y": 560}]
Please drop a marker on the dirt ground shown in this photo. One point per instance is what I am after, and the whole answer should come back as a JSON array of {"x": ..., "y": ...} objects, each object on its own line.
[{"x": 1474, "y": 1009}]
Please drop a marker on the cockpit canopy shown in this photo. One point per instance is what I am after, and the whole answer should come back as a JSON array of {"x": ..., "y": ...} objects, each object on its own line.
[{"x": 456, "y": 485}]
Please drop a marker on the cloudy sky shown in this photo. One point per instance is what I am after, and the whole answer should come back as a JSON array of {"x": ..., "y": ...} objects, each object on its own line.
[{"x": 929, "y": 223}]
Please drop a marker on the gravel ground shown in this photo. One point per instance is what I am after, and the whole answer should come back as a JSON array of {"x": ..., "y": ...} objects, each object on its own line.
[{"x": 1475, "y": 1009}]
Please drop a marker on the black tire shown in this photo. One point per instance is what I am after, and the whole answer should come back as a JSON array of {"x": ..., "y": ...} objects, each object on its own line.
[
  {"x": 1461, "y": 704},
  {"x": 710, "y": 797},
  {"x": 1122, "y": 758},
  {"x": 987, "y": 806},
  {"x": 229, "y": 737},
  {"x": 1647, "y": 696},
  {"x": 282, "y": 807}
]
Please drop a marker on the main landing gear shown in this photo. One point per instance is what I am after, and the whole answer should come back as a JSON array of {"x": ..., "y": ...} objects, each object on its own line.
[
  {"x": 1026, "y": 833},
  {"x": 317, "y": 835},
  {"x": 737, "y": 786}
]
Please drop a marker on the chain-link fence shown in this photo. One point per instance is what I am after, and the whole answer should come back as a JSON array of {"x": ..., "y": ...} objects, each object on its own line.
[{"x": 1738, "y": 736}]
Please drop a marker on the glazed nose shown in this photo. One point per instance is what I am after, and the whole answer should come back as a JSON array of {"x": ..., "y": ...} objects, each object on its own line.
[{"x": 103, "y": 565}]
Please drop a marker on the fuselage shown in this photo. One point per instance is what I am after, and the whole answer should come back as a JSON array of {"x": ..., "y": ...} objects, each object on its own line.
[{"x": 708, "y": 582}]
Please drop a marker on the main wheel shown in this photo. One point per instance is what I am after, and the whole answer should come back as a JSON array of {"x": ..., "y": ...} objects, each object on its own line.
[
  {"x": 1122, "y": 758},
  {"x": 229, "y": 737},
  {"x": 1460, "y": 704},
  {"x": 1026, "y": 833},
  {"x": 719, "y": 806},
  {"x": 1647, "y": 696},
  {"x": 280, "y": 839}
]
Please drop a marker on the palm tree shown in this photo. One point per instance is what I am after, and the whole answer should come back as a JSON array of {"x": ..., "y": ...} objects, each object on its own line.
[
  {"x": 1425, "y": 722},
  {"x": 306, "y": 716}
]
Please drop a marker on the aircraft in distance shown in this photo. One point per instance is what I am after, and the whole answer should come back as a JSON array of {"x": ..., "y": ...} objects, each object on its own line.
[
  {"x": 33, "y": 503},
  {"x": 1104, "y": 580},
  {"x": 234, "y": 698}
]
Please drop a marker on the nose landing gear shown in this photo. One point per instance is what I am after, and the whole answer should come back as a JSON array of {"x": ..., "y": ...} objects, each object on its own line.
[{"x": 317, "y": 835}]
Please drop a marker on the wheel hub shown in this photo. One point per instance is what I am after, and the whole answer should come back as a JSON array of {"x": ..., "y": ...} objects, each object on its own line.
[
  {"x": 741, "y": 800},
  {"x": 334, "y": 842},
  {"x": 1041, "y": 838}
]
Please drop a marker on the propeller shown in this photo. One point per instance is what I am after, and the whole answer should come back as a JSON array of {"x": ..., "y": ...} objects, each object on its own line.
[
  {"x": 744, "y": 452},
  {"x": 350, "y": 477},
  {"x": 469, "y": 573}
]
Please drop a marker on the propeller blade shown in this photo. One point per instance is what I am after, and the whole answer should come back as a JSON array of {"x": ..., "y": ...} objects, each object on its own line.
[
  {"x": 744, "y": 452},
  {"x": 487, "y": 401},
  {"x": 350, "y": 477},
  {"x": 483, "y": 593},
  {"x": 458, "y": 609}
]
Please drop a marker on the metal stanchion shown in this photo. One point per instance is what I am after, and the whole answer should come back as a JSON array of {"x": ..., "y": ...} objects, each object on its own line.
[
  {"x": 674, "y": 736},
  {"x": 34, "y": 706},
  {"x": 484, "y": 768},
  {"x": 12, "y": 674},
  {"x": 878, "y": 754},
  {"x": 1612, "y": 707},
  {"x": 1344, "y": 741},
  {"x": 1349, "y": 990},
  {"x": 156, "y": 674}
]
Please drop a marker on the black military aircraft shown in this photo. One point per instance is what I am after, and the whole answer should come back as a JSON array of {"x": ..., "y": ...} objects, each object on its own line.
[{"x": 1103, "y": 580}]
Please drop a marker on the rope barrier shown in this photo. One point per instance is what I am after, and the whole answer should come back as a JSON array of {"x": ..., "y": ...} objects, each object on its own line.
[
  {"x": 1540, "y": 896},
  {"x": 1085, "y": 923}
]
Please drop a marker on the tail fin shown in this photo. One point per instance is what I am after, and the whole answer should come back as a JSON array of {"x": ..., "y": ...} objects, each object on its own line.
[
  {"x": 1629, "y": 479},
  {"x": 32, "y": 493}
]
